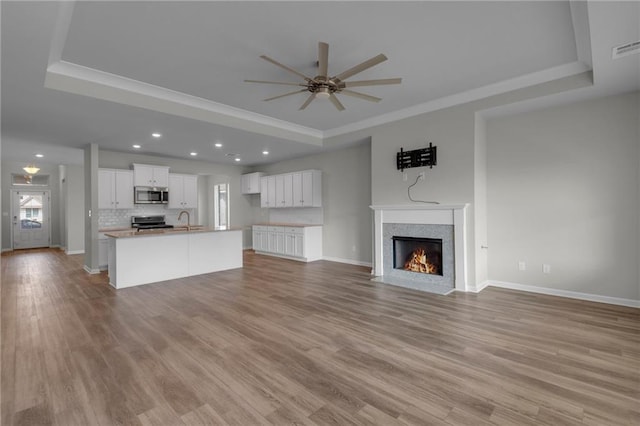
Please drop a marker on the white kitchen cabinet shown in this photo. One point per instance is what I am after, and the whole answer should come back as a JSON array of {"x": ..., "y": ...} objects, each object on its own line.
[
  {"x": 115, "y": 189},
  {"x": 268, "y": 191},
  {"x": 183, "y": 191},
  {"x": 148, "y": 175},
  {"x": 264, "y": 192},
  {"x": 294, "y": 241},
  {"x": 284, "y": 190},
  {"x": 297, "y": 189},
  {"x": 275, "y": 239},
  {"x": 260, "y": 238},
  {"x": 302, "y": 243},
  {"x": 250, "y": 183},
  {"x": 307, "y": 188}
]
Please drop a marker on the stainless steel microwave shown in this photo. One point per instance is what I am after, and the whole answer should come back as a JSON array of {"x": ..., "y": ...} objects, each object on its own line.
[{"x": 148, "y": 195}]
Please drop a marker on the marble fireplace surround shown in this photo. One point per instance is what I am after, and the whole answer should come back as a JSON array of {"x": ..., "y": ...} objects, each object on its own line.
[{"x": 428, "y": 214}]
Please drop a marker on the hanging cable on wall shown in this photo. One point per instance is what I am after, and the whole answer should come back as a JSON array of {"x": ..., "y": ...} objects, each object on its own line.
[{"x": 418, "y": 201}]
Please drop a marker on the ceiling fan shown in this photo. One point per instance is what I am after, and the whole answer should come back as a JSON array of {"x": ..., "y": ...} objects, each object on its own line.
[{"x": 324, "y": 87}]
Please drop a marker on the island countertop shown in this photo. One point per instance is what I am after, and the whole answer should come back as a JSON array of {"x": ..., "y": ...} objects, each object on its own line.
[
  {"x": 147, "y": 256},
  {"x": 293, "y": 225},
  {"x": 134, "y": 233}
]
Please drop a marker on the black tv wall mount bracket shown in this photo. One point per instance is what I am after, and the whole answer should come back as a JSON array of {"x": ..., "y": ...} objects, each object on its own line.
[{"x": 417, "y": 158}]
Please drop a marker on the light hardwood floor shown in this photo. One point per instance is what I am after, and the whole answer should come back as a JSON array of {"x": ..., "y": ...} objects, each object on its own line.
[{"x": 281, "y": 342}]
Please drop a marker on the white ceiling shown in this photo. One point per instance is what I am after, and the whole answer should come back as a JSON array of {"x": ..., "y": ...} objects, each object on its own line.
[{"x": 113, "y": 72}]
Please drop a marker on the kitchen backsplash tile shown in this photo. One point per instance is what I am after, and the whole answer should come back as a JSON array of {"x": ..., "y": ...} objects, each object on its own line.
[{"x": 111, "y": 218}]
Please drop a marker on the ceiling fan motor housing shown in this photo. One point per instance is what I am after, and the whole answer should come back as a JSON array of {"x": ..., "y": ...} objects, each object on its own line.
[{"x": 322, "y": 86}]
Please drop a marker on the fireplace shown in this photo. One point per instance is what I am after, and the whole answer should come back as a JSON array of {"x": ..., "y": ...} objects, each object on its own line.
[
  {"x": 419, "y": 255},
  {"x": 443, "y": 223}
]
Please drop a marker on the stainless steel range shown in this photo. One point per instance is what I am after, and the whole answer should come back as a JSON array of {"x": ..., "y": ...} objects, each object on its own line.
[{"x": 149, "y": 222}]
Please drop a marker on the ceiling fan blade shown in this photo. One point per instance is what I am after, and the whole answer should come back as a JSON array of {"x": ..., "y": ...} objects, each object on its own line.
[
  {"x": 336, "y": 102},
  {"x": 323, "y": 59},
  {"x": 307, "y": 102},
  {"x": 286, "y": 94},
  {"x": 361, "y": 67},
  {"x": 371, "y": 82},
  {"x": 360, "y": 95},
  {"x": 275, "y": 82},
  {"x": 291, "y": 70}
]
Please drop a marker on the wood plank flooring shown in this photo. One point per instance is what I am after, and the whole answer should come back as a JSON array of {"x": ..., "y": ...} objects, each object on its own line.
[{"x": 280, "y": 342}]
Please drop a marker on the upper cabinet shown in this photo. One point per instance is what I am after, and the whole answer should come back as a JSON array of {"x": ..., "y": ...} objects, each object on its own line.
[
  {"x": 183, "y": 191},
  {"x": 115, "y": 189},
  {"x": 268, "y": 191},
  {"x": 147, "y": 175},
  {"x": 307, "y": 188},
  {"x": 251, "y": 183},
  {"x": 297, "y": 189}
]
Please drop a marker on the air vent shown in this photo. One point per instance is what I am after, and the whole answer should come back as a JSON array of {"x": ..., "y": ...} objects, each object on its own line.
[{"x": 626, "y": 50}]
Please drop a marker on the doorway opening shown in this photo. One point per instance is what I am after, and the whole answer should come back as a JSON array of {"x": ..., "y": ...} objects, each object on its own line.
[
  {"x": 221, "y": 206},
  {"x": 30, "y": 212}
]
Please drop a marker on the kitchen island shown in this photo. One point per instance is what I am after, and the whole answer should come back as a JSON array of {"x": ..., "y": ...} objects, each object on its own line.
[{"x": 143, "y": 257}]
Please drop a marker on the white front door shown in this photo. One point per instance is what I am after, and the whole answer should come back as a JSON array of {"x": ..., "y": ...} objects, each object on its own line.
[{"x": 30, "y": 210}]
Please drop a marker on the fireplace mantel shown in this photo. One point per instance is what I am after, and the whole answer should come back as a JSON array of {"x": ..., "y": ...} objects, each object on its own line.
[{"x": 432, "y": 214}]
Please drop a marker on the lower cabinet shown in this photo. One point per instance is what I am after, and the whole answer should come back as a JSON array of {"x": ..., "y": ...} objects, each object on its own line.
[
  {"x": 103, "y": 251},
  {"x": 294, "y": 242},
  {"x": 260, "y": 242}
]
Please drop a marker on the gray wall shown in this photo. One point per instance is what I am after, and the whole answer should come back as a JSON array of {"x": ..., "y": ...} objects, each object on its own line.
[
  {"x": 73, "y": 210},
  {"x": 480, "y": 198},
  {"x": 62, "y": 223},
  {"x": 90, "y": 212},
  {"x": 451, "y": 181},
  {"x": 563, "y": 189},
  {"x": 9, "y": 167},
  {"x": 346, "y": 197}
]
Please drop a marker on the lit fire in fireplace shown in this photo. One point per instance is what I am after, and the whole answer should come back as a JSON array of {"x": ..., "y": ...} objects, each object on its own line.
[{"x": 418, "y": 262}]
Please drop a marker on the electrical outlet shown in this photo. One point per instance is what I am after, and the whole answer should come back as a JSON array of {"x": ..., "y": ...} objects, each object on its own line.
[
  {"x": 522, "y": 266},
  {"x": 421, "y": 175},
  {"x": 404, "y": 177},
  {"x": 546, "y": 268},
  {"x": 353, "y": 249}
]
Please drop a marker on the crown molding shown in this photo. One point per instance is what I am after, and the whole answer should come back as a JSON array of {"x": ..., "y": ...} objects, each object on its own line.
[
  {"x": 555, "y": 73},
  {"x": 81, "y": 80},
  {"x": 78, "y": 79}
]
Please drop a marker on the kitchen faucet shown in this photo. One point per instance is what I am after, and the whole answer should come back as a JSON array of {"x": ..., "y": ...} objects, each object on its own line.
[{"x": 188, "y": 219}]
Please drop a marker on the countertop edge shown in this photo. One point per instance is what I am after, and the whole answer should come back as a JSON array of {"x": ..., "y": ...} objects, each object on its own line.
[
  {"x": 293, "y": 225},
  {"x": 163, "y": 232}
]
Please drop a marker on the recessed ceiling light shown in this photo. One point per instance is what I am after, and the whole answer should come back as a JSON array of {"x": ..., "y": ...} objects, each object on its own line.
[
  {"x": 156, "y": 135},
  {"x": 218, "y": 145},
  {"x": 136, "y": 146},
  {"x": 193, "y": 153},
  {"x": 39, "y": 155},
  {"x": 265, "y": 152},
  {"x": 237, "y": 159}
]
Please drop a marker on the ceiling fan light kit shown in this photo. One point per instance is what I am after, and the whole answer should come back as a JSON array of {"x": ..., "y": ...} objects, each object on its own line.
[{"x": 324, "y": 87}]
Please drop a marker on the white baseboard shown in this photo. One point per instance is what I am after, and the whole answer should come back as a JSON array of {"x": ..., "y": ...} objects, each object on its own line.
[
  {"x": 349, "y": 261},
  {"x": 4, "y": 250},
  {"x": 567, "y": 293},
  {"x": 478, "y": 288},
  {"x": 91, "y": 271},
  {"x": 73, "y": 251}
]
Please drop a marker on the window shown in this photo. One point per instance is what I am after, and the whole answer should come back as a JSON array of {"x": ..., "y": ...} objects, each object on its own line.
[
  {"x": 31, "y": 211},
  {"x": 221, "y": 206},
  {"x": 30, "y": 180}
]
